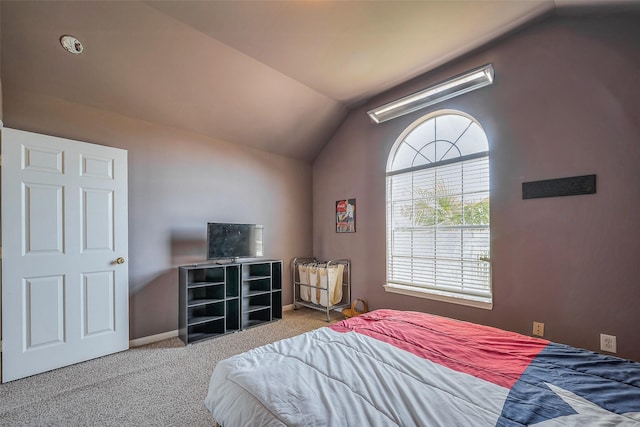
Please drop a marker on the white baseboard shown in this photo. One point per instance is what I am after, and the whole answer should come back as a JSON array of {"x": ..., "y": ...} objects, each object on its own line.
[
  {"x": 152, "y": 338},
  {"x": 287, "y": 307}
]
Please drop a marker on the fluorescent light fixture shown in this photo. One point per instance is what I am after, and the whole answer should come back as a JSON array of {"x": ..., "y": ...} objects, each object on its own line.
[{"x": 455, "y": 86}]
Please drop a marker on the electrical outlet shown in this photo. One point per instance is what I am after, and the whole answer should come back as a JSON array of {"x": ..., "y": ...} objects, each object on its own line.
[
  {"x": 538, "y": 329},
  {"x": 608, "y": 343}
]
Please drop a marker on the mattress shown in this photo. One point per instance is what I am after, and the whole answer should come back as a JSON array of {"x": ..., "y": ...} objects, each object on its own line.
[{"x": 395, "y": 368}]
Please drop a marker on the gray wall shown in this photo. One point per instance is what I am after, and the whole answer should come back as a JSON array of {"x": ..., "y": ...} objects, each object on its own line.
[
  {"x": 565, "y": 102},
  {"x": 177, "y": 182}
]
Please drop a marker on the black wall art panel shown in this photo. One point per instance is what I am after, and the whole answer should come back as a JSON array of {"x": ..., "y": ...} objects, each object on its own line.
[{"x": 571, "y": 186}]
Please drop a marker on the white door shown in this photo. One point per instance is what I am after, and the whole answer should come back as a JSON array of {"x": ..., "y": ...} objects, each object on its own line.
[{"x": 65, "y": 293}]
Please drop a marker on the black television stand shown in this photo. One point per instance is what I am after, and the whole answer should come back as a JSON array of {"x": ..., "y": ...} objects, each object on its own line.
[{"x": 220, "y": 298}]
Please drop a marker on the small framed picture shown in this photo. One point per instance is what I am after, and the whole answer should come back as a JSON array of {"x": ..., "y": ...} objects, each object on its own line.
[{"x": 346, "y": 216}]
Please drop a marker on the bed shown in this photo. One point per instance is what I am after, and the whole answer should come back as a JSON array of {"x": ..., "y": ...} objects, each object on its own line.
[{"x": 388, "y": 368}]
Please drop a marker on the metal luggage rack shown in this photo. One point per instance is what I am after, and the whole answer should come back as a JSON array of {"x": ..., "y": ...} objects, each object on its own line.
[{"x": 299, "y": 285}]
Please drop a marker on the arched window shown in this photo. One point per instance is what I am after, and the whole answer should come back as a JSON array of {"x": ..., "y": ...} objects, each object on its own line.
[{"x": 438, "y": 226}]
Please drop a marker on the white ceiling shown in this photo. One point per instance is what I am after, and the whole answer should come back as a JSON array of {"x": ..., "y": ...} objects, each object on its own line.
[{"x": 275, "y": 75}]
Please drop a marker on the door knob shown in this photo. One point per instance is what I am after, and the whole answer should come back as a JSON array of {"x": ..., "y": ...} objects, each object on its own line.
[{"x": 120, "y": 260}]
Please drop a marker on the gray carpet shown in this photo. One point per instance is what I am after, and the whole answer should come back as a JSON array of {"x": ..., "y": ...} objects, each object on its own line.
[{"x": 162, "y": 384}]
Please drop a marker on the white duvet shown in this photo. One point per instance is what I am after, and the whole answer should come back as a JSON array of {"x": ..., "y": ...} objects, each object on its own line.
[{"x": 328, "y": 378}]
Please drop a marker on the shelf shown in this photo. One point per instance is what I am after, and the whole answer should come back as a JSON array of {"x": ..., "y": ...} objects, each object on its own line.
[
  {"x": 233, "y": 281},
  {"x": 257, "y": 292},
  {"x": 256, "y": 270},
  {"x": 205, "y": 273},
  {"x": 253, "y": 308},
  {"x": 276, "y": 304},
  {"x": 193, "y": 337},
  {"x": 217, "y": 299},
  {"x": 202, "y": 284},
  {"x": 253, "y": 323},
  {"x": 255, "y": 316},
  {"x": 249, "y": 278},
  {"x": 199, "y": 302},
  {"x": 202, "y": 319},
  {"x": 262, "y": 284},
  {"x": 233, "y": 314}
]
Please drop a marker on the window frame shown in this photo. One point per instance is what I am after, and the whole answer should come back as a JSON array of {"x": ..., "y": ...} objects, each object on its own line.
[{"x": 416, "y": 290}]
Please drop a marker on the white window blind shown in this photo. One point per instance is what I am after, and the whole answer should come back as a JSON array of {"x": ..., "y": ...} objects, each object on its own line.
[{"x": 438, "y": 231}]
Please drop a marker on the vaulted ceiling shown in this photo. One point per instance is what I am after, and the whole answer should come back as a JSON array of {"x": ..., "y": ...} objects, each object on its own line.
[{"x": 274, "y": 75}]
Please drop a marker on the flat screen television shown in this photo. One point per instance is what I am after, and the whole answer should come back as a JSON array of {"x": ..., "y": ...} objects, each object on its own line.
[{"x": 234, "y": 240}]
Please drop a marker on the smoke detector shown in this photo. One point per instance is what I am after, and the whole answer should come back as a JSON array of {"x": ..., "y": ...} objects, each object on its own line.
[{"x": 71, "y": 44}]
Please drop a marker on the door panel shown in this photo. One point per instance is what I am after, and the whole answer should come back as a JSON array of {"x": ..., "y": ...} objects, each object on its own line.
[
  {"x": 44, "y": 310},
  {"x": 42, "y": 159},
  {"x": 99, "y": 302},
  {"x": 97, "y": 221},
  {"x": 43, "y": 218},
  {"x": 97, "y": 167},
  {"x": 64, "y": 224}
]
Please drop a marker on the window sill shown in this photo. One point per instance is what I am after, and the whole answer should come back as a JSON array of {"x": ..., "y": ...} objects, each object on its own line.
[{"x": 429, "y": 294}]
